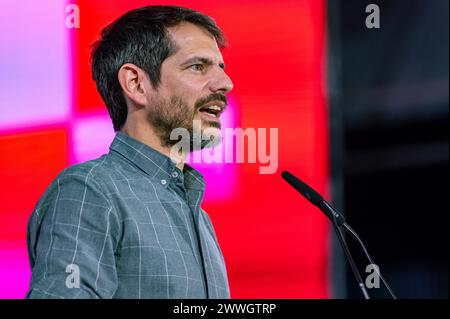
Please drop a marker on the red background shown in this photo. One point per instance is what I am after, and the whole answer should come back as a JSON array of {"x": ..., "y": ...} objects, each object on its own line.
[{"x": 275, "y": 244}]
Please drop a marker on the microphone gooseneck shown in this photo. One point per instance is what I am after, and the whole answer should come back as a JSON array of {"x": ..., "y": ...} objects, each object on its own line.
[{"x": 338, "y": 221}]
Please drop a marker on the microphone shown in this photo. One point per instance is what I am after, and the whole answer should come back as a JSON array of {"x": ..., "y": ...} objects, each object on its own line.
[
  {"x": 338, "y": 221},
  {"x": 313, "y": 197}
]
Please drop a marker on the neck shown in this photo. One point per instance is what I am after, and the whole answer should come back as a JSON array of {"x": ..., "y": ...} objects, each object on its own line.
[{"x": 146, "y": 134}]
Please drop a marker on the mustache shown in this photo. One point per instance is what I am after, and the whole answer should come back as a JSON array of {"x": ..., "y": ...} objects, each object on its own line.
[{"x": 212, "y": 97}]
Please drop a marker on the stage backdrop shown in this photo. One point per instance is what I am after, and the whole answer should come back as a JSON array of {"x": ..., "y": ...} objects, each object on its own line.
[{"x": 275, "y": 244}]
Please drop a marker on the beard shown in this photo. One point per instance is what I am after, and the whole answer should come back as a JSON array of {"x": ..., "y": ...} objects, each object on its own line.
[{"x": 167, "y": 115}]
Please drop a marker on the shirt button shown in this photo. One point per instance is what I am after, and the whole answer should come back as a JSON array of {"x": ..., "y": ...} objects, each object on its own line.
[
  {"x": 174, "y": 174},
  {"x": 163, "y": 181}
]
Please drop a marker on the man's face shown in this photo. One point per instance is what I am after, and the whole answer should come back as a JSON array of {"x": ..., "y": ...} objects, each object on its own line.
[{"x": 192, "y": 87}]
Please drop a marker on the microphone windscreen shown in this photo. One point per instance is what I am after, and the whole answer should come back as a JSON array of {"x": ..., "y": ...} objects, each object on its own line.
[{"x": 303, "y": 188}]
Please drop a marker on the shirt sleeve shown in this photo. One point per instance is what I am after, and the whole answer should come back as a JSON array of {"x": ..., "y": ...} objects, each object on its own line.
[{"x": 72, "y": 238}]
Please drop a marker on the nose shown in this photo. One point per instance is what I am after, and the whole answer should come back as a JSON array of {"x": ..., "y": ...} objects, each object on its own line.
[{"x": 221, "y": 82}]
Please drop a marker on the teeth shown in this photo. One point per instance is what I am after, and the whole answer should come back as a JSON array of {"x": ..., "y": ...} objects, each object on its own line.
[{"x": 214, "y": 107}]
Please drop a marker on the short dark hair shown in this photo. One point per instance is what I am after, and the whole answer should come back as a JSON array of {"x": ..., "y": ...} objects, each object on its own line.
[{"x": 139, "y": 37}]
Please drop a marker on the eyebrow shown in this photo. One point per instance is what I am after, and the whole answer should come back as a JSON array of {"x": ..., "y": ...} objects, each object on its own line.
[{"x": 203, "y": 60}]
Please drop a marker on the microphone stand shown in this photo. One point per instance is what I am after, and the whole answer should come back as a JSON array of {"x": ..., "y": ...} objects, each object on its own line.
[
  {"x": 361, "y": 244},
  {"x": 338, "y": 221},
  {"x": 350, "y": 260}
]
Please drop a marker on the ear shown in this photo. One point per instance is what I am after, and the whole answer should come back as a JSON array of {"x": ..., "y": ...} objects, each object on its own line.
[{"x": 134, "y": 83}]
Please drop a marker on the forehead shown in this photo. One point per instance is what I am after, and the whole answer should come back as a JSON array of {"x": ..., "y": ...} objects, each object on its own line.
[{"x": 190, "y": 39}]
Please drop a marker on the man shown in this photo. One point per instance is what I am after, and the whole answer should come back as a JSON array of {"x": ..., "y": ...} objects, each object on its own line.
[{"x": 129, "y": 224}]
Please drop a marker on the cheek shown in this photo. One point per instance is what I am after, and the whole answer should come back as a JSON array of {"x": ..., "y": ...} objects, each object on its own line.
[
  {"x": 189, "y": 88},
  {"x": 179, "y": 81},
  {"x": 188, "y": 93}
]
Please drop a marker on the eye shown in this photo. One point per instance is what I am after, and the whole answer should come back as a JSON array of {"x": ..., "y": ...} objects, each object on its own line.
[{"x": 198, "y": 67}]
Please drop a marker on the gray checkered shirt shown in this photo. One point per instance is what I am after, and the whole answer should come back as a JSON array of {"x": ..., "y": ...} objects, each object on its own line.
[{"x": 126, "y": 225}]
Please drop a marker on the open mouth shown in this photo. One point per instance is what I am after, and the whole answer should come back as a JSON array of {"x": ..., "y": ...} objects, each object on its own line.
[{"x": 213, "y": 111}]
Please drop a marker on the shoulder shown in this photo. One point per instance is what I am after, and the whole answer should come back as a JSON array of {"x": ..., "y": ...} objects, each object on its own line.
[
  {"x": 79, "y": 180},
  {"x": 76, "y": 187},
  {"x": 93, "y": 170}
]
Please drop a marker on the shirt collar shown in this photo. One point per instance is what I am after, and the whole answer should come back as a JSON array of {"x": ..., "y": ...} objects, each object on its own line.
[{"x": 155, "y": 164}]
